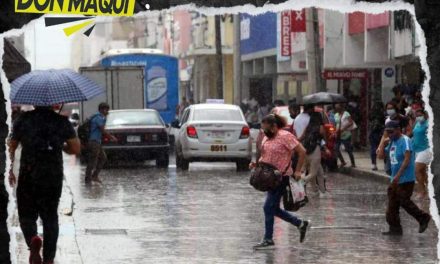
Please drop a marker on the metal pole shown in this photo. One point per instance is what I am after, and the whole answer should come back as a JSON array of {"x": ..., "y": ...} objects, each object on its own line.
[
  {"x": 237, "y": 61},
  {"x": 218, "y": 49},
  {"x": 314, "y": 51}
]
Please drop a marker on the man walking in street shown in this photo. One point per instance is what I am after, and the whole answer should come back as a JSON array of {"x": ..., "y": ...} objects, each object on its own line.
[
  {"x": 402, "y": 159},
  {"x": 96, "y": 155},
  {"x": 43, "y": 135}
]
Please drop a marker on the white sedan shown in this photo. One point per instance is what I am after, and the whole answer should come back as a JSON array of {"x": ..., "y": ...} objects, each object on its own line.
[{"x": 213, "y": 132}]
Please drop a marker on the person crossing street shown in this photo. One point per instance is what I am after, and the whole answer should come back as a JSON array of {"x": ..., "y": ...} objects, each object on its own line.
[
  {"x": 96, "y": 155},
  {"x": 400, "y": 190}
]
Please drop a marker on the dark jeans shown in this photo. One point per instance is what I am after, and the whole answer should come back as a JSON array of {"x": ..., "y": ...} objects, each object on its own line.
[
  {"x": 400, "y": 196},
  {"x": 375, "y": 138},
  {"x": 348, "y": 147},
  {"x": 96, "y": 160},
  {"x": 272, "y": 209},
  {"x": 33, "y": 201}
]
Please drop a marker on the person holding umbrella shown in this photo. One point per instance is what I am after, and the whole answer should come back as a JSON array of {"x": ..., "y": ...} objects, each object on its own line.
[{"x": 44, "y": 135}]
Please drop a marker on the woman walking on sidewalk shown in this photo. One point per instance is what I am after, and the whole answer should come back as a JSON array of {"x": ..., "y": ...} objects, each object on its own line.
[
  {"x": 344, "y": 122},
  {"x": 276, "y": 149},
  {"x": 423, "y": 154},
  {"x": 43, "y": 135}
]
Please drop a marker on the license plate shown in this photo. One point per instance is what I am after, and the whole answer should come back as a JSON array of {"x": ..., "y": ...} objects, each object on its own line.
[
  {"x": 219, "y": 148},
  {"x": 218, "y": 134},
  {"x": 132, "y": 139}
]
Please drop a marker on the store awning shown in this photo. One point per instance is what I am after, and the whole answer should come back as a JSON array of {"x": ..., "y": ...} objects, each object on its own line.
[{"x": 14, "y": 64}]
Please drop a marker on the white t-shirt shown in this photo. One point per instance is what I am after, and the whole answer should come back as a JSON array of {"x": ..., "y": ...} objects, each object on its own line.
[{"x": 301, "y": 123}]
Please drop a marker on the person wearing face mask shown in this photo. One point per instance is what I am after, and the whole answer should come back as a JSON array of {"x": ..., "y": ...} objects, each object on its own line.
[
  {"x": 400, "y": 190},
  {"x": 276, "y": 149},
  {"x": 392, "y": 115},
  {"x": 420, "y": 144}
]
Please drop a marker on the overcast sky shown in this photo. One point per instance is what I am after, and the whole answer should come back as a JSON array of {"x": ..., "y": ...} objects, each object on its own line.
[{"x": 47, "y": 47}]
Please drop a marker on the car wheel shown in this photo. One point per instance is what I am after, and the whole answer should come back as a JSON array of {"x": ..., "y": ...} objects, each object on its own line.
[
  {"x": 163, "y": 160},
  {"x": 181, "y": 162},
  {"x": 243, "y": 165}
]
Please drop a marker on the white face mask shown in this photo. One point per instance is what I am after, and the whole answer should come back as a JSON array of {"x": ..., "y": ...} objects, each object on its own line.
[
  {"x": 391, "y": 112},
  {"x": 420, "y": 119}
]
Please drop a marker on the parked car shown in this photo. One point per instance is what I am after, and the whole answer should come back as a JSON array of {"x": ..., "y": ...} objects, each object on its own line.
[
  {"x": 141, "y": 135},
  {"x": 213, "y": 132}
]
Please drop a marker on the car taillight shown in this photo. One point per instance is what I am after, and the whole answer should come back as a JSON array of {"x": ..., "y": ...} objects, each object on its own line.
[
  {"x": 191, "y": 132},
  {"x": 245, "y": 132},
  {"x": 105, "y": 139}
]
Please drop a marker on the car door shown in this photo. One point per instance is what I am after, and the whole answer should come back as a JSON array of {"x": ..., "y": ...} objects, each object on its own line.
[{"x": 182, "y": 131}]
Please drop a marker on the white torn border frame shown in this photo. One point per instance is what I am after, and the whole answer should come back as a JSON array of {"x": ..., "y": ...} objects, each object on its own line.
[{"x": 343, "y": 6}]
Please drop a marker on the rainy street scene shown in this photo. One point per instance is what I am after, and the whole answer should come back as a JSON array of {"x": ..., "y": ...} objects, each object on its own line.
[{"x": 176, "y": 137}]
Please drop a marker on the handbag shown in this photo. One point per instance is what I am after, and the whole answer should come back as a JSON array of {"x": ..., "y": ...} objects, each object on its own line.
[
  {"x": 295, "y": 196},
  {"x": 266, "y": 177}
]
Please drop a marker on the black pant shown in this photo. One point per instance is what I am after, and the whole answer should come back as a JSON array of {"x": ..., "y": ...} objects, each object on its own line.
[
  {"x": 34, "y": 201},
  {"x": 400, "y": 196},
  {"x": 4, "y": 234}
]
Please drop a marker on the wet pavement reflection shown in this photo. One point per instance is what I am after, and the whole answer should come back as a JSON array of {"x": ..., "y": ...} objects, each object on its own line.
[{"x": 212, "y": 215}]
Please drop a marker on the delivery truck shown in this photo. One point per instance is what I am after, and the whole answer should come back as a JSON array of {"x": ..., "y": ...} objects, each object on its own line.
[{"x": 135, "y": 79}]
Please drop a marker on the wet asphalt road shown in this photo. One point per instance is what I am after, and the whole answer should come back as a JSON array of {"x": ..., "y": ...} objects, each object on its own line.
[{"x": 212, "y": 215}]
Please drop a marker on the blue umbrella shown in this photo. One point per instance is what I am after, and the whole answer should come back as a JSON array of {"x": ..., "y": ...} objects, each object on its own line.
[{"x": 50, "y": 87}]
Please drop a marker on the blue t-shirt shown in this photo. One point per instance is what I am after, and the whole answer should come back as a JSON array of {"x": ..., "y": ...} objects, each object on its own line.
[
  {"x": 420, "y": 137},
  {"x": 397, "y": 149},
  {"x": 96, "y": 122}
]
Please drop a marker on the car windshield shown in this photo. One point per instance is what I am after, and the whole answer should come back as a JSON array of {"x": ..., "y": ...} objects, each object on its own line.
[
  {"x": 217, "y": 115},
  {"x": 285, "y": 113},
  {"x": 133, "y": 118}
]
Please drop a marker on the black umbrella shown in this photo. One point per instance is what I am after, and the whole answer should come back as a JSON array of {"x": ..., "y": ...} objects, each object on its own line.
[{"x": 323, "y": 98}]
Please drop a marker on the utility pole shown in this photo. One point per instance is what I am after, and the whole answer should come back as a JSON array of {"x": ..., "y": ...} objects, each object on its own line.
[
  {"x": 237, "y": 60},
  {"x": 218, "y": 52},
  {"x": 314, "y": 59}
]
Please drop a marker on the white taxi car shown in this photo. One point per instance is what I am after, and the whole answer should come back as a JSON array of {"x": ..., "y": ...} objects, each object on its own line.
[{"x": 213, "y": 132}]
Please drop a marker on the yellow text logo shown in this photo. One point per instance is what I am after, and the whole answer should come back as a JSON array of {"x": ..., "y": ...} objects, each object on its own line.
[{"x": 79, "y": 7}]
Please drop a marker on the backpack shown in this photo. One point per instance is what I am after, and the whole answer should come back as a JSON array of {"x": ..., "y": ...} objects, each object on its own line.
[{"x": 84, "y": 129}]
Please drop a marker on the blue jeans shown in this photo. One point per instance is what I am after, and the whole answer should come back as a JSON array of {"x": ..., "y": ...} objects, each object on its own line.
[{"x": 272, "y": 209}]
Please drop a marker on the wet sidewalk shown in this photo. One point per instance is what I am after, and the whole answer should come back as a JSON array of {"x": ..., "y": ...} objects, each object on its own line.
[{"x": 364, "y": 168}]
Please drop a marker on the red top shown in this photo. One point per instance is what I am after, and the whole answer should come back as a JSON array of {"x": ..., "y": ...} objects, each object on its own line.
[{"x": 278, "y": 151}]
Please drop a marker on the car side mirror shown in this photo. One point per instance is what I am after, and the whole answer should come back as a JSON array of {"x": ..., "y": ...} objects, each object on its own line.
[{"x": 175, "y": 124}]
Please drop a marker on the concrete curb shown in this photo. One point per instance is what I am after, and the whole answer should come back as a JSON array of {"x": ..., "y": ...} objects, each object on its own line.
[{"x": 365, "y": 174}]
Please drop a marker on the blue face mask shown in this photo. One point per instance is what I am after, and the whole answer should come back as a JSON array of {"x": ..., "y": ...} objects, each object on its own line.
[{"x": 420, "y": 119}]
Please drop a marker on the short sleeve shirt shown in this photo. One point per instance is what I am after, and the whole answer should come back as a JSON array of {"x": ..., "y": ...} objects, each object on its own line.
[
  {"x": 397, "y": 150},
  {"x": 278, "y": 151},
  {"x": 42, "y": 134},
  {"x": 300, "y": 124},
  {"x": 420, "y": 140},
  {"x": 96, "y": 122}
]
